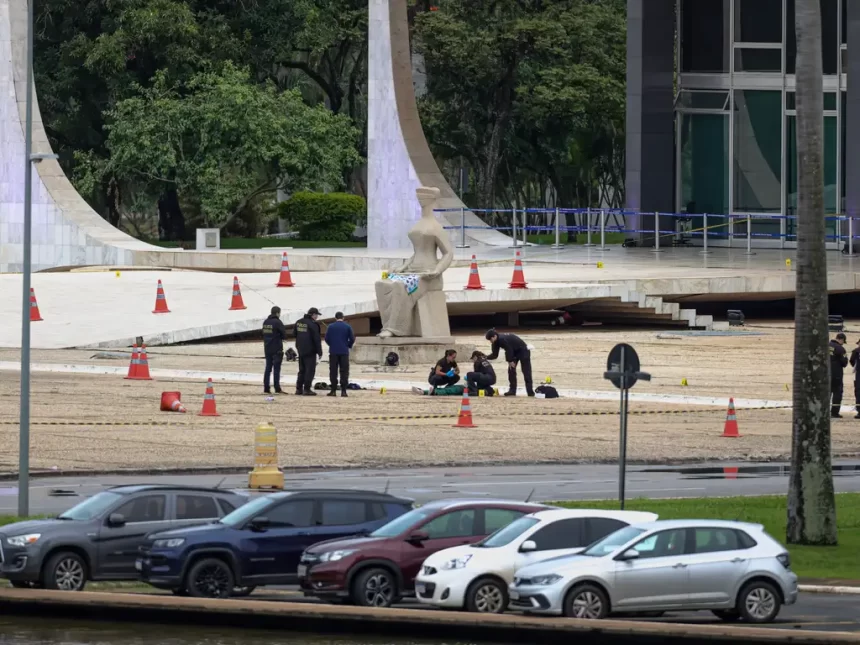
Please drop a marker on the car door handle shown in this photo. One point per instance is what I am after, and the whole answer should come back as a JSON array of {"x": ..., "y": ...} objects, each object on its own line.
[
  {"x": 739, "y": 560},
  {"x": 679, "y": 565}
]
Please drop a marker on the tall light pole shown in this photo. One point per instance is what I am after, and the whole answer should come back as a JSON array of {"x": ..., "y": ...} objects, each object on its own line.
[{"x": 24, "y": 428}]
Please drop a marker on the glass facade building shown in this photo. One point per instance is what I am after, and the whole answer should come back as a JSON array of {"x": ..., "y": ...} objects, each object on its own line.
[{"x": 729, "y": 74}]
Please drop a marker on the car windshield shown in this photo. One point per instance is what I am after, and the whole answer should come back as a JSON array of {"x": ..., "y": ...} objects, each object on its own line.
[
  {"x": 507, "y": 534},
  {"x": 613, "y": 541},
  {"x": 244, "y": 513},
  {"x": 92, "y": 507},
  {"x": 399, "y": 524}
]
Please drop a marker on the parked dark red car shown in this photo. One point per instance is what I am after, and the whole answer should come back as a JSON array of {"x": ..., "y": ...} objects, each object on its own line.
[{"x": 378, "y": 569}]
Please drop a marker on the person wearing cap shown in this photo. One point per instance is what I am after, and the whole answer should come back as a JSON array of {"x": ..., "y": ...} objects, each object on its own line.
[
  {"x": 309, "y": 348},
  {"x": 483, "y": 376},
  {"x": 340, "y": 338},
  {"x": 516, "y": 352},
  {"x": 838, "y": 361},
  {"x": 854, "y": 361},
  {"x": 274, "y": 335}
]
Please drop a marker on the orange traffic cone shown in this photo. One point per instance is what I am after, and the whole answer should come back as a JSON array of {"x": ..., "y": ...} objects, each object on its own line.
[
  {"x": 135, "y": 360},
  {"x": 519, "y": 280},
  {"x": 285, "y": 280},
  {"x": 35, "y": 316},
  {"x": 474, "y": 279},
  {"x": 209, "y": 402},
  {"x": 236, "y": 302},
  {"x": 142, "y": 373},
  {"x": 160, "y": 301},
  {"x": 464, "y": 418},
  {"x": 170, "y": 402},
  {"x": 731, "y": 428}
]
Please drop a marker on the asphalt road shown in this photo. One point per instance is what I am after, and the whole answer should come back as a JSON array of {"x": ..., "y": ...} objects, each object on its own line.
[{"x": 542, "y": 483}]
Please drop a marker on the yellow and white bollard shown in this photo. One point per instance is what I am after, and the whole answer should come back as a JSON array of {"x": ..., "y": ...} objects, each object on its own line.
[{"x": 266, "y": 473}]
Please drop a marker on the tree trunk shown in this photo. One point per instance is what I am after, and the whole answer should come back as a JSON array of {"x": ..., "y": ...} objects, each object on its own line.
[
  {"x": 171, "y": 221},
  {"x": 811, "y": 503}
]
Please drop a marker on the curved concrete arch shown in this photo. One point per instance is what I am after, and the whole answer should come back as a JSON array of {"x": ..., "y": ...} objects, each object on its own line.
[
  {"x": 399, "y": 159},
  {"x": 66, "y": 231}
]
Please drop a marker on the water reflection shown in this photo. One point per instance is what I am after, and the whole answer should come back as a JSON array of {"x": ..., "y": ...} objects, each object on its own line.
[{"x": 56, "y": 632}]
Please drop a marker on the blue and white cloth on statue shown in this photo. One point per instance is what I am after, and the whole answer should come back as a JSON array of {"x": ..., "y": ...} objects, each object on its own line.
[{"x": 409, "y": 280}]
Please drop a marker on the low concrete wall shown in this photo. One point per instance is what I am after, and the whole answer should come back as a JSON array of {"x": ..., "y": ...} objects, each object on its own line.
[{"x": 325, "y": 619}]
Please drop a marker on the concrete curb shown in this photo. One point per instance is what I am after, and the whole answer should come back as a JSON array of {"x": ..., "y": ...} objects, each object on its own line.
[{"x": 829, "y": 589}]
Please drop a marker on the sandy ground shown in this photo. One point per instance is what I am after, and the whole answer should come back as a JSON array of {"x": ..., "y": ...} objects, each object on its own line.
[{"x": 339, "y": 432}]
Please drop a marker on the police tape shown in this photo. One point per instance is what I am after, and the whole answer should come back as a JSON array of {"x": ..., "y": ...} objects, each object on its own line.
[{"x": 411, "y": 417}]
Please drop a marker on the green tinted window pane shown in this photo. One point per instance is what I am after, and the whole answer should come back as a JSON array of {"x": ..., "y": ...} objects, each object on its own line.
[
  {"x": 758, "y": 60},
  {"x": 704, "y": 163},
  {"x": 695, "y": 100},
  {"x": 757, "y": 163},
  {"x": 830, "y": 196}
]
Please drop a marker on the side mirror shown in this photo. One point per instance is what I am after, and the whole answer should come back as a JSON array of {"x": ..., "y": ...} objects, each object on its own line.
[
  {"x": 259, "y": 523},
  {"x": 116, "y": 519},
  {"x": 417, "y": 537},
  {"x": 628, "y": 555},
  {"x": 528, "y": 546}
]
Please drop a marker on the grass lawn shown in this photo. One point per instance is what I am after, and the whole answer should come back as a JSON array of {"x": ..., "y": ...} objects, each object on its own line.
[
  {"x": 549, "y": 238},
  {"x": 841, "y": 561}
]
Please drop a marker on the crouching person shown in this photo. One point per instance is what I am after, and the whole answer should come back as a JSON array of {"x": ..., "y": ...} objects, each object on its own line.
[{"x": 483, "y": 376}]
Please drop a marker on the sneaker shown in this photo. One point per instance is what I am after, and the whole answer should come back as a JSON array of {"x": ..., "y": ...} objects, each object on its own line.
[
  {"x": 343, "y": 393},
  {"x": 267, "y": 391},
  {"x": 510, "y": 393},
  {"x": 332, "y": 393},
  {"x": 417, "y": 390},
  {"x": 531, "y": 393},
  {"x": 309, "y": 393},
  {"x": 299, "y": 392}
]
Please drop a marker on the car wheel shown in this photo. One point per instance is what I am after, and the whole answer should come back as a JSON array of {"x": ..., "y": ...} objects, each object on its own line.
[
  {"x": 210, "y": 578},
  {"x": 728, "y": 615},
  {"x": 586, "y": 601},
  {"x": 487, "y": 596},
  {"x": 242, "y": 592},
  {"x": 65, "y": 571},
  {"x": 375, "y": 588},
  {"x": 758, "y": 602}
]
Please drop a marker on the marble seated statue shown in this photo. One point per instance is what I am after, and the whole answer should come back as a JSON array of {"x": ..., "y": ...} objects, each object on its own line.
[{"x": 411, "y": 301}]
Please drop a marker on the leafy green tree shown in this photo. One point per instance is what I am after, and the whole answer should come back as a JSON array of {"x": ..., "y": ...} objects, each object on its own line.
[{"x": 221, "y": 141}]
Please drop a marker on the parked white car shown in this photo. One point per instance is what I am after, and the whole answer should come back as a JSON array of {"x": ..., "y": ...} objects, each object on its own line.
[
  {"x": 477, "y": 576},
  {"x": 734, "y": 569}
]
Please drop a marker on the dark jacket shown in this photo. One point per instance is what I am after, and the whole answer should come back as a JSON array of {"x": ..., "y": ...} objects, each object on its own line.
[
  {"x": 855, "y": 362},
  {"x": 514, "y": 346},
  {"x": 339, "y": 337},
  {"x": 274, "y": 335},
  {"x": 483, "y": 366},
  {"x": 308, "y": 340},
  {"x": 838, "y": 360}
]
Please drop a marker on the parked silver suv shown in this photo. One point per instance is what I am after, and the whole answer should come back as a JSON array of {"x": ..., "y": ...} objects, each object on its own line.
[{"x": 733, "y": 569}]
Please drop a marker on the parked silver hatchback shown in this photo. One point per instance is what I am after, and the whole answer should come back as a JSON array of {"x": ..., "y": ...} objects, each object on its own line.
[{"x": 734, "y": 569}]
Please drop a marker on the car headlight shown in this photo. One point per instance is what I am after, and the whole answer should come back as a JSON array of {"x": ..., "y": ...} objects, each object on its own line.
[
  {"x": 23, "y": 540},
  {"x": 334, "y": 556},
  {"x": 545, "y": 581},
  {"x": 456, "y": 563},
  {"x": 168, "y": 543}
]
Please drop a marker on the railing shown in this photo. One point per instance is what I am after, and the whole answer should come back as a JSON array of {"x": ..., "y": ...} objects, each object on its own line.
[{"x": 597, "y": 225}]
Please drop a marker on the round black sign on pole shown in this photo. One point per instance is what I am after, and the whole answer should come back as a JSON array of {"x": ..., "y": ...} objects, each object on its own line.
[{"x": 631, "y": 365}]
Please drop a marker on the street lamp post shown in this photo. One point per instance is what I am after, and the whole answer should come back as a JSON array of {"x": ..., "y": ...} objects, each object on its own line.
[{"x": 29, "y": 160}]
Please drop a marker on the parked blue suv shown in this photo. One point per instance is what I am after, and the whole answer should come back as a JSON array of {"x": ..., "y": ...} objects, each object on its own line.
[{"x": 261, "y": 542}]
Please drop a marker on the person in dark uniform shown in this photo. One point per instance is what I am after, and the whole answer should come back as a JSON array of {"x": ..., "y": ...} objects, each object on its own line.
[
  {"x": 516, "y": 351},
  {"x": 309, "y": 347},
  {"x": 838, "y": 361},
  {"x": 274, "y": 335},
  {"x": 855, "y": 363},
  {"x": 483, "y": 376},
  {"x": 340, "y": 338},
  {"x": 445, "y": 372}
]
